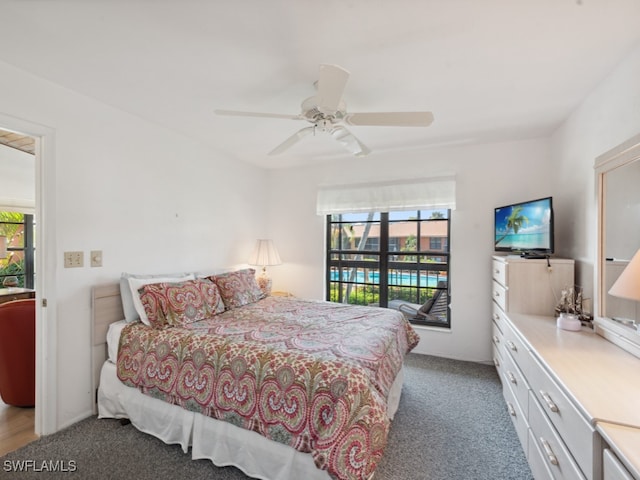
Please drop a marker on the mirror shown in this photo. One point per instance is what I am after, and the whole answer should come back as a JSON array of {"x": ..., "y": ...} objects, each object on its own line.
[{"x": 618, "y": 177}]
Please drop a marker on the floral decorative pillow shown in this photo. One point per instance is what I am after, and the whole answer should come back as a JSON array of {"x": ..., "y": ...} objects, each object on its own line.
[
  {"x": 176, "y": 304},
  {"x": 129, "y": 286},
  {"x": 238, "y": 288}
]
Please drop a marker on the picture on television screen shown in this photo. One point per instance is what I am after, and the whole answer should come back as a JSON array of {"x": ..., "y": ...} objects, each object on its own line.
[{"x": 525, "y": 227}]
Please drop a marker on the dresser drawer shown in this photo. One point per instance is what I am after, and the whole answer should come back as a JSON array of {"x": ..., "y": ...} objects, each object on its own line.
[
  {"x": 497, "y": 337},
  {"x": 554, "y": 452},
  {"x": 517, "y": 416},
  {"x": 498, "y": 316},
  {"x": 537, "y": 462},
  {"x": 613, "y": 469},
  {"x": 497, "y": 341},
  {"x": 499, "y": 294},
  {"x": 512, "y": 376},
  {"x": 498, "y": 362},
  {"x": 516, "y": 348},
  {"x": 580, "y": 438},
  {"x": 499, "y": 272}
]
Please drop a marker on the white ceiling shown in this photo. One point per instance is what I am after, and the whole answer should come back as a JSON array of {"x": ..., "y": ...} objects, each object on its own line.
[{"x": 488, "y": 69}]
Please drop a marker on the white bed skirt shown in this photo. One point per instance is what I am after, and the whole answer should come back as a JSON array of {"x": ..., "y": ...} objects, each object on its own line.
[{"x": 221, "y": 442}]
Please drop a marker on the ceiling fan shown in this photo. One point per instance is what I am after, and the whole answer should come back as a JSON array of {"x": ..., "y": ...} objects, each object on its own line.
[{"x": 326, "y": 111}]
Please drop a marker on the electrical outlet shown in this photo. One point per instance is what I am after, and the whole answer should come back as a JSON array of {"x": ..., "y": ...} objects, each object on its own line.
[
  {"x": 73, "y": 259},
  {"x": 96, "y": 258}
]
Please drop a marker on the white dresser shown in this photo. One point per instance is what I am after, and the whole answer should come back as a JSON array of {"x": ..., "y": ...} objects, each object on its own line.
[
  {"x": 559, "y": 385},
  {"x": 530, "y": 285}
]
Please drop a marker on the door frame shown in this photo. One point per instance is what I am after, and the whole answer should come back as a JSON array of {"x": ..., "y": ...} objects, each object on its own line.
[{"x": 46, "y": 322}]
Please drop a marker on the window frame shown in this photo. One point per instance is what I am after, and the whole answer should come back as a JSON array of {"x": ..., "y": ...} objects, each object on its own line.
[
  {"x": 27, "y": 249},
  {"x": 386, "y": 263}
]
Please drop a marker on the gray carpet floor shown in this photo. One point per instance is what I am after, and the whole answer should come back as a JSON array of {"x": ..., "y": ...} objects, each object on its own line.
[{"x": 452, "y": 423}]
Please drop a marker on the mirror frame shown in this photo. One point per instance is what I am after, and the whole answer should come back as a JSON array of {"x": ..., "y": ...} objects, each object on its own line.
[{"x": 623, "y": 336}]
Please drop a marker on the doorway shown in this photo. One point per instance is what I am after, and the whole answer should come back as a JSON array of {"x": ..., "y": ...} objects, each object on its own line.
[
  {"x": 44, "y": 417},
  {"x": 17, "y": 209}
]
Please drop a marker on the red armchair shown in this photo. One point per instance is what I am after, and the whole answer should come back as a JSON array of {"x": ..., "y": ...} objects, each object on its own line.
[{"x": 18, "y": 352}]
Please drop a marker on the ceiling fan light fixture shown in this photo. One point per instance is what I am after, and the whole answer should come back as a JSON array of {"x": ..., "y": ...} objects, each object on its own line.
[
  {"x": 349, "y": 141},
  {"x": 326, "y": 111}
]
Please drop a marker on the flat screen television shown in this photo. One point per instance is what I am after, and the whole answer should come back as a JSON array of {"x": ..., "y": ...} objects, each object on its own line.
[{"x": 525, "y": 228}]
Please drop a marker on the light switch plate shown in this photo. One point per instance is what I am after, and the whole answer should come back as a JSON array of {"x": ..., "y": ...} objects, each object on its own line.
[
  {"x": 73, "y": 259},
  {"x": 96, "y": 258}
]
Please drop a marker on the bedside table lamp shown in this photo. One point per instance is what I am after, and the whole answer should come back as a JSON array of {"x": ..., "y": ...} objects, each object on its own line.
[
  {"x": 264, "y": 254},
  {"x": 628, "y": 283}
]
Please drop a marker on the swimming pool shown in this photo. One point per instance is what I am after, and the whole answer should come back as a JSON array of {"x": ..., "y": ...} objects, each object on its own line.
[{"x": 405, "y": 279}]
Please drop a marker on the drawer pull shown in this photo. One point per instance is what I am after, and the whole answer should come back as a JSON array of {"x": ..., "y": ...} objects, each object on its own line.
[
  {"x": 496, "y": 339},
  {"x": 548, "y": 452},
  {"x": 550, "y": 403},
  {"x": 512, "y": 378},
  {"x": 496, "y": 294},
  {"x": 512, "y": 346},
  {"x": 496, "y": 316},
  {"x": 512, "y": 411},
  {"x": 496, "y": 362}
]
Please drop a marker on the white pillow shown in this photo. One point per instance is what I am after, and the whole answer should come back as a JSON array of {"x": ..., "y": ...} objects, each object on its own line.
[
  {"x": 128, "y": 295},
  {"x": 113, "y": 339}
]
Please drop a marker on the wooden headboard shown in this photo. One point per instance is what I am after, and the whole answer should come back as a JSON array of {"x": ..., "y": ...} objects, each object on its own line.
[{"x": 106, "y": 308}]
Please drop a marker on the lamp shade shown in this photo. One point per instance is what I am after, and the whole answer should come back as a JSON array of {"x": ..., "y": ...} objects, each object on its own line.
[
  {"x": 3, "y": 247},
  {"x": 628, "y": 283},
  {"x": 265, "y": 253}
]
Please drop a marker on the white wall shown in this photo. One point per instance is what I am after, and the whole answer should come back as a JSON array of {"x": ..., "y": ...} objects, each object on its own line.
[
  {"x": 609, "y": 116},
  {"x": 487, "y": 176},
  {"x": 150, "y": 199}
]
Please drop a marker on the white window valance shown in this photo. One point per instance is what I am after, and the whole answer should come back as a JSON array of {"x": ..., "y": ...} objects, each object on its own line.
[
  {"x": 413, "y": 194},
  {"x": 20, "y": 205}
]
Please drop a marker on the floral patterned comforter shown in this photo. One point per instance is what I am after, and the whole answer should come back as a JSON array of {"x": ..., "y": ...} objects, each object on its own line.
[{"x": 312, "y": 375}]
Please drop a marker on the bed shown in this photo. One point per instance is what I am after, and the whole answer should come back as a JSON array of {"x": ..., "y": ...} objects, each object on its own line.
[{"x": 279, "y": 387}]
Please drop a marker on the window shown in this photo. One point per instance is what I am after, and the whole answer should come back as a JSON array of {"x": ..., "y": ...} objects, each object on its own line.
[
  {"x": 20, "y": 261},
  {"x": 380, "y": 257}
]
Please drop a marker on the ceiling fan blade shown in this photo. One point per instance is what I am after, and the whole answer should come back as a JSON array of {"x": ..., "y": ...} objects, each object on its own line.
[
  {"x": 331, "y": 83},
  {"x": 390, "y": 119},
  {"x": 236, "y": 113},
  {"x": 292, "y": 140},
  {"x": 349, "y": 141}
]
